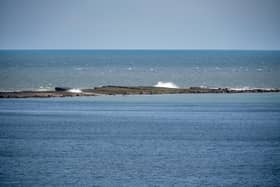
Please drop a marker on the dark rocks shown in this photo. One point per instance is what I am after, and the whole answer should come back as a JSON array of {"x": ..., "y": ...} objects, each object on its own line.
[
  {"x": 62, "y": 89},
  {"x": 126, "y": 90}
]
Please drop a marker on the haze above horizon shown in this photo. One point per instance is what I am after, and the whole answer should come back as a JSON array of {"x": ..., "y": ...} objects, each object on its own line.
[{"x": 145, "y": 25}]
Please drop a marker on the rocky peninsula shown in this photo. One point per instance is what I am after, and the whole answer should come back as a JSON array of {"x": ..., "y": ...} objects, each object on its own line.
[{"x": 127, "y": 90}]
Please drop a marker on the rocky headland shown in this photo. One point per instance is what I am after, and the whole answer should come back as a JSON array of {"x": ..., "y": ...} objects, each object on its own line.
[{"x": 127, "y": 90}]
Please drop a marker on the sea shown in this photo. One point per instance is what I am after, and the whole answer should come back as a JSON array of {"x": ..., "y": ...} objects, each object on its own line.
[
  {"x": 46, "y": 69},
  {"x": 140, "y": 140}
]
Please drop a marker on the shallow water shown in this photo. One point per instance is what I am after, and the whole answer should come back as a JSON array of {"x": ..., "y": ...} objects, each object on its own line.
[
  {"x": 192, "y": 140},
  {"x": 21, "y": 70}
]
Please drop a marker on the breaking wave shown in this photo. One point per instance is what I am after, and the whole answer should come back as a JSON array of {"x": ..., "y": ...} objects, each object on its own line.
[
  {"x": 73, "y": 90},
  {"x": 166, "y": 85}
]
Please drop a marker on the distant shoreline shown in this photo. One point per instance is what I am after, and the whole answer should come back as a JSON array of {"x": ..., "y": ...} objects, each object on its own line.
[{"x": 128, "y": 90}]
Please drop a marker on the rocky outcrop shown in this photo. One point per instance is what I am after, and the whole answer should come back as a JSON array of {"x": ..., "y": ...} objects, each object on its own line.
[{"x": 128, "y": 90}]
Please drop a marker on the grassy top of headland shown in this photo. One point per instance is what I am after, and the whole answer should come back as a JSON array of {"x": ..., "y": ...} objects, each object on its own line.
[{"x": 127, "y": 90}]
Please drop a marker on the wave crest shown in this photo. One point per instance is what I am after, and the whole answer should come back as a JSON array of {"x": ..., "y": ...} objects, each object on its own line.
[
  {"x": 166, "y": 85},
  {"x": 74, "y": 90}
]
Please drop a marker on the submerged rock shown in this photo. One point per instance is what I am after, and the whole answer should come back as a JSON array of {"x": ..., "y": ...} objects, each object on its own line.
[{"x": 62, "y": 89}]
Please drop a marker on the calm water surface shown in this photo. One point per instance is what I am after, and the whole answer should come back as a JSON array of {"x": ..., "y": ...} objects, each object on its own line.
[
  {"x": 179, "y": 140},
  {"x": 21, "y": 70}
]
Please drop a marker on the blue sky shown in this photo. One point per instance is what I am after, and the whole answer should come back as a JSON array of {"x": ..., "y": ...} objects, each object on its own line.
[{"x": 140, "y": 24}]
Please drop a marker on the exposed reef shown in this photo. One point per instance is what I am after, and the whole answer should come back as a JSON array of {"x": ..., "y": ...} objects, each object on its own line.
[
  {"x": 42, "y": 94},
  {"x": 128, "y": 90}
]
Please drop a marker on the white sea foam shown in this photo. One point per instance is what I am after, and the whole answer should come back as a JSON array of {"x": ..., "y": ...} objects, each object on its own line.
[
  {"x": 44, "y": 88},
  {"x": 241, "y": 88},
  {"x": 202, "y": 86},
  {"x": 74, "y": 90},
  {"x": 250, "y": 88},
  {"x": 166, "y": 85}
]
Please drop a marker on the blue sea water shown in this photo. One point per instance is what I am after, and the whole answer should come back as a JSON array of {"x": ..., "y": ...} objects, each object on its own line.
[
  {"x": 163, "y": 140},
  {"x": 166, "y": 140},
  {"x": 39, "y": 69}
]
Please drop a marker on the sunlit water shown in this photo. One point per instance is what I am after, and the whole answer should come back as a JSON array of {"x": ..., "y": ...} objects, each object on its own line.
[{"x": 179, "y": 140}]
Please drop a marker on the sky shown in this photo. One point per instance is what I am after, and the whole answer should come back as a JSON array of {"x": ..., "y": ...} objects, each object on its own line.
[{"x": 140, "y": 24}]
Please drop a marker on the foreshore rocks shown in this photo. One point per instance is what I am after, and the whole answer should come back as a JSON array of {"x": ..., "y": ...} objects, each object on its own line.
[
  {"x": 128, "y": 90},
  {"x": 41, "y": 94}
]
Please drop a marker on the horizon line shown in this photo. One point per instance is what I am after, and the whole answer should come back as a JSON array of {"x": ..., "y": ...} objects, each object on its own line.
[{"x": 124, "y": 49}]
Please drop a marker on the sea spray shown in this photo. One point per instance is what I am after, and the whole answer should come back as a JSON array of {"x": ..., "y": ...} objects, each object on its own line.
[
  {"x": 166, "y": 85},
  {"x": 74, "y": 90}
]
